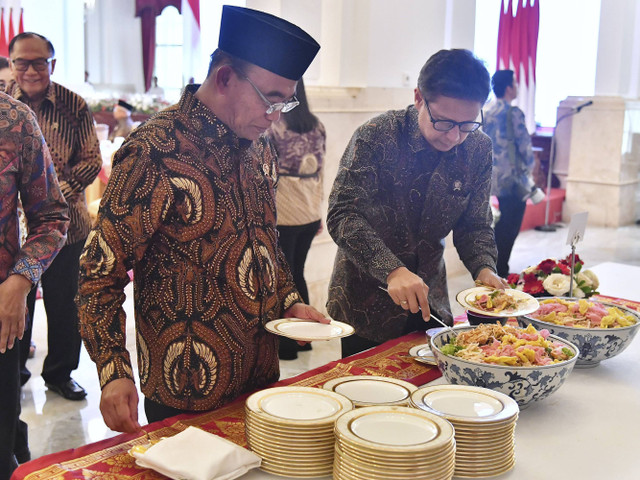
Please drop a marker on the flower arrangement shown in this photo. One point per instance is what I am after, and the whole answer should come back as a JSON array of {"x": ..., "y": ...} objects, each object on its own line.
[{"x": 552, "y": 277}]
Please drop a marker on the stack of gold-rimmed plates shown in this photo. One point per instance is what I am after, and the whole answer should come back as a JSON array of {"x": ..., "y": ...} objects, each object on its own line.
[
  {"x": 484, "y": 421},
  {"x": 370, "y": 390},
  {"x": 393, "y": 442},
  {"x": 291, "y": 429}
]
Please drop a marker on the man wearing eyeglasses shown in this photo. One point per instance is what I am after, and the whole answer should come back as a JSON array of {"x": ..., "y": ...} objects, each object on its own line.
[
  {"x": 67, "y": 125},
  {"x": 407, "y": 179},
  {"x": 190, "y": 207}
]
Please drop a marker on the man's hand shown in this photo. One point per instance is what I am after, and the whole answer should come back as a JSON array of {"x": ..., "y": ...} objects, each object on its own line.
[
  {"x": 409, "y": 291},
  {"x": 489, "y": 278},
  {"x": 302, "y": 310},
  {"x": 119, "y": 406},
  {"x": 13, "y": 309}
]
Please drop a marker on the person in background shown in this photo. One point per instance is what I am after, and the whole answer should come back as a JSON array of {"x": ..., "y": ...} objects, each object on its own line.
[
  {"x": 5, "y": 73},
  {"x": 406, "y": 180},
  {"x": 300, "y": 141},
  {"x": 190, "y": 207},
  {"x": 67, "y": 126},
  {"x": 122, "y": 114},
  {"x": 26, "y": 169},
  {"x": 156, "y": 91},
  {"x": 513, "y": 163}
]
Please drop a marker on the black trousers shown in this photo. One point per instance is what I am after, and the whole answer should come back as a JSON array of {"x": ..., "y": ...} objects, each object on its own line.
[
  {"x": 157, "y": 411},
  {"x": 25, "y": 344},
  {"x": 356, "y": 344},
  {"x": 9, "y": 409},
  {"x": 507, "y": 229},
  {"x": 59, "y": 288},
  {"x": 295, "y": 241}
]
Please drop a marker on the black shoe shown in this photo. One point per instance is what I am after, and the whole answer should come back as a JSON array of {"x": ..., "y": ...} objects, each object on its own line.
[
  {"x": 305, "y": 348},
  {"x": 69, "y": 389}
]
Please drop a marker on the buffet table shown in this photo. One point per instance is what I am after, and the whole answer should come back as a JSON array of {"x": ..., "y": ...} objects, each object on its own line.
[{"x": 588, "y": 429}]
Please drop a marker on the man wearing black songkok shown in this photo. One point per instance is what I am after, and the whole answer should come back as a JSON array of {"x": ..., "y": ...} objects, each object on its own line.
[{"x": 190, "y": 208}]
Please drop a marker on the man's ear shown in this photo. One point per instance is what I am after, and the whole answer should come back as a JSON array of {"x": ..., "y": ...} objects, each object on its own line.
[
  {"x": 417, "y": 97},
  {"x": 53, "y": 65},
  {"x": 223, "y": 77}
]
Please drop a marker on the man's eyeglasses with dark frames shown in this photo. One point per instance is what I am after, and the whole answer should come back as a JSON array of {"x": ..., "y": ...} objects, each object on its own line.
[
  {"x": 283, "y": 107},
  {"x": 39, "y": 64},
  {"x": 446, "y": 125}
]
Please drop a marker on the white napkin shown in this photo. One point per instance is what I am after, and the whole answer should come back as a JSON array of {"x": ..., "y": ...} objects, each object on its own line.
[{"x": 194, "y": 454}]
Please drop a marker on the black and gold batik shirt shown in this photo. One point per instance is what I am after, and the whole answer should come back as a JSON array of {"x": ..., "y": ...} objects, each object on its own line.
[{"x": 394, "y": 201}]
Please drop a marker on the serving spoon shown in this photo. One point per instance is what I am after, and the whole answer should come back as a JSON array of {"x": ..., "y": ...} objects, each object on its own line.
[{"x": 430, "y": 314}]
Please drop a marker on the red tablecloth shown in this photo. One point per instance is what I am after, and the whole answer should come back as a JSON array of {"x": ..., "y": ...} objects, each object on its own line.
[{"x": 110, "y": 457}]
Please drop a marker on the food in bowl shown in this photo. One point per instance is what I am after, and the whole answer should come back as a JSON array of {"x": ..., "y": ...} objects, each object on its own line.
[
  {"x": 507, "y": 345},
  {"x": 582, "y": 314},
  {"x": 525, "y": 384},
  {"x": 597, "y": 341}
]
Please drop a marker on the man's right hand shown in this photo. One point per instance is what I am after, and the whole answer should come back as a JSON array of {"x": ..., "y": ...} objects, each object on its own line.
[
  {"x": 119, "y": 406},
  {"x": 409, "y": 291}
]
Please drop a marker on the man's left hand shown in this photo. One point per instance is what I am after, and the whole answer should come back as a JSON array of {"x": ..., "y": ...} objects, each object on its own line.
[{"x": 489, "y": 278}]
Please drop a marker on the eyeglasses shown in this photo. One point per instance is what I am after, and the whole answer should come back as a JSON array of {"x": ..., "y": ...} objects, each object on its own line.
[
  {"x": 39, "y": 64},
  {"x": 446, "y": 125},
  {"x": 283, "y": 107}
]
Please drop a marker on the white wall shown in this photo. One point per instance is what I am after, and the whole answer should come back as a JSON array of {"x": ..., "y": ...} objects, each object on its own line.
[{"x": 47, "y": 18}]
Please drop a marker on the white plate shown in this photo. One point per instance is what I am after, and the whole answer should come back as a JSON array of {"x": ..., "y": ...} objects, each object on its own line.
[
  {"x": 372, "y": 390},
  {"x": 466, "y": 403},
  {"x": 299, "y": 405},
  {"x": 423, "y": 354},
  {"x": 528, "y": 304},
  {"x": 401, "y": 430},
  {"x": 308, "y": 330}
]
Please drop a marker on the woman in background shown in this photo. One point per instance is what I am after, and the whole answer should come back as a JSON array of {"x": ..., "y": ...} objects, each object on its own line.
[{"x": 299, "y": 138}]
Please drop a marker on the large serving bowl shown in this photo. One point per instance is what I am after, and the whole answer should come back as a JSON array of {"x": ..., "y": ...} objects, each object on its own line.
[
  {"x": 524, "y": 384},
  {"x": 595, "y": 344}
]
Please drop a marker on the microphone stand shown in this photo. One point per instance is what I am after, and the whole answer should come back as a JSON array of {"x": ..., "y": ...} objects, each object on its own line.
[{"x": 552, "y": 157}]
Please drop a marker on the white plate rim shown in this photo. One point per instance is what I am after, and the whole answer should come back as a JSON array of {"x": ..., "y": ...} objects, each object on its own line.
[
  {"x": 531, "y": 306},
  {"x": 271, "y": 326},
  {"x": 331, "y": 385}
]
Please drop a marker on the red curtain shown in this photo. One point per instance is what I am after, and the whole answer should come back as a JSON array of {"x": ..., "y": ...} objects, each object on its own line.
[
  {"x": 518, "y": 38},
  {"x": 4, "y": 45},
  {"x": 148, "y": 10},
  {"x": 517, "y": 48}
]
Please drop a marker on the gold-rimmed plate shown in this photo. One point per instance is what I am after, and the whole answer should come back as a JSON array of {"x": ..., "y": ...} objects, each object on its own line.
[
  {"x": 525, "y": 303},
  {"x": 367, "y": 390},
  {"x": 423, "y": 354},
  {"x": 308, "y": 330}
]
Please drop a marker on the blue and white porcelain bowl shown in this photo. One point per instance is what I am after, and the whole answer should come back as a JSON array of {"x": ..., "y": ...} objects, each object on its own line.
[
  {"x": 595, "y": 344},
  {"x": 524, "y": 384}
]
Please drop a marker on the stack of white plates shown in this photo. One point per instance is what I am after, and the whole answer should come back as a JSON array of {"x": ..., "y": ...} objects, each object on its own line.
[
  {"x": 291, "y": 429},
  {"x": 393, "y": 442},
  {"x": 484, "y": 421},
  {"x": 370, "y": 390}
]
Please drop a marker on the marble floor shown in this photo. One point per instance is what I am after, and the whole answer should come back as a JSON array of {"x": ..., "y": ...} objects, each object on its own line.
[{"x": 58, "y": 424}]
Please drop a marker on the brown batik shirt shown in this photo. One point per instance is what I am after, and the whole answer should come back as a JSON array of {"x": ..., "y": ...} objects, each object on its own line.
[
  {"x": 190, "y": 208},
  {"x": 67, "y": 125},
  {"x": 394, "y": 201}
]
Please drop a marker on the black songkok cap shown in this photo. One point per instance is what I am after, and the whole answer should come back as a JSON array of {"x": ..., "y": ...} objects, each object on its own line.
[
  {"x": 126, "y": 105},
  {"x": 266, "y": 41}
]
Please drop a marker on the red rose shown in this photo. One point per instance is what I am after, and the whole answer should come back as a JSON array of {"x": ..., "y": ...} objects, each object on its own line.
[
  {"x": 564, "y": 268},
  {"x": 547, "y": 266},
  {"x": 533, "y": 288},
  {"x": 513, "y": 278}
]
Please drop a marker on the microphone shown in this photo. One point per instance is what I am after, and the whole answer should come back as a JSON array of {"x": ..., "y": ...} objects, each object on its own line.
[{"x": 580, "y": 107}]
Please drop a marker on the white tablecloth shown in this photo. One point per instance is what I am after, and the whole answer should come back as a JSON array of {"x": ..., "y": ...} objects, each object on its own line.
[{"x": 588, "y": 429}]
